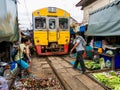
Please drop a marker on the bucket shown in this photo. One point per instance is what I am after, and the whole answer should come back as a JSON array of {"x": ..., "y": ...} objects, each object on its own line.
[{"x": 100, "y": 50}]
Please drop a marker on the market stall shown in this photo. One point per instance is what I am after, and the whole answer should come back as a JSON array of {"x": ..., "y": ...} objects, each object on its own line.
[
  {"x": 8, "y": 35},
  {"x": 110, "y": 80},
  {"x": 104, "y": 27}
]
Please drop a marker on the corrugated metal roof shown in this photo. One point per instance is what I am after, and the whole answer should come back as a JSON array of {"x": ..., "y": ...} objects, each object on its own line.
[
  {"x": 84, "y": 3},
  {"x": 80, "y": 3},
  {"x": 107, "y": 6}
]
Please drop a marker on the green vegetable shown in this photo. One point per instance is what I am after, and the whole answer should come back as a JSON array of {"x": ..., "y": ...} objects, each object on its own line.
[
  {"x": 92, "y": 65},
  {"x": 109, "y": 52},
  {"x": 109, "y": 79},
  {"x": 112, "y": 73}
]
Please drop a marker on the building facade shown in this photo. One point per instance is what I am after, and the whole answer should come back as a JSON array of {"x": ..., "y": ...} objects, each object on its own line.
[{"x": 91, "y": 5}]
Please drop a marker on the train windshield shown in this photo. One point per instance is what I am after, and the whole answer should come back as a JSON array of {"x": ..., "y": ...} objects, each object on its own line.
[
  {"x": 52, "y": 23},
  {"x": 63, "y": 23},
  {"x": 40, "y": 23}
]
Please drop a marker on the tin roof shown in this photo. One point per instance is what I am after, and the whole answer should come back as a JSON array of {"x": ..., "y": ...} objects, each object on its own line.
[
  {"x": 84, "y": 3},
  {"x": 105, "y": 7}
]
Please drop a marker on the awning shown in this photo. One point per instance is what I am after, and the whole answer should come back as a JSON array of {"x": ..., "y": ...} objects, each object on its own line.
[
  {"x": 8, "y": 21},
  {"x": 71, "y": 31},
  {"x": 82, "y": 28},
  {"x": 105, "y": 21}
]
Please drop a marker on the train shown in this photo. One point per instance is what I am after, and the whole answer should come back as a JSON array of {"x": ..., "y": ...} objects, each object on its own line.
[{"x": 51, "y": 31}]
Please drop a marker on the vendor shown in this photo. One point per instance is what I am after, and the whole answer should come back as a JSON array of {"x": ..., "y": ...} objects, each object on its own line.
[
  {"x": 104, "y": 43},
  {"x": 2, "y": 55},
  {"x": 89, "y": 51}
]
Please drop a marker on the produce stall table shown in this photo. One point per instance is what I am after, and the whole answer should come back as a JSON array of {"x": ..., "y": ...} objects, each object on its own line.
[
  {"x": 112, "y": 60},
  {"x": 109, "y": 80},
  {"x": 111, "y": 57}
]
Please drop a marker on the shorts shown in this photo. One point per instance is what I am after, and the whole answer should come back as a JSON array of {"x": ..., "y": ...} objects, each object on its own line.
[{"x": 22, "y": 63}]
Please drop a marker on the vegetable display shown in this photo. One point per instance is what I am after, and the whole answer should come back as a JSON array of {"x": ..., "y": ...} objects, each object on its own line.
[
  {"x": 110, "y": 79},
  {"x": 92, "y": 65},
  {"x": 109, "y": 52}
]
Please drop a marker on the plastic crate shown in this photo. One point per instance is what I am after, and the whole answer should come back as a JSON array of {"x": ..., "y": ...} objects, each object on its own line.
[{"x": 116, "y": 60}]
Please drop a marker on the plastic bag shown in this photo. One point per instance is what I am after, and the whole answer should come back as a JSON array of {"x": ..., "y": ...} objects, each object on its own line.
[
  {"x": 3, "y": 83},
  {"x": 84, "y": 55}
]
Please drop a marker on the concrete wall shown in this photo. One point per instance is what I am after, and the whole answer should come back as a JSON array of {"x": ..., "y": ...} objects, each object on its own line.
[{"x": 94, "y": 6}]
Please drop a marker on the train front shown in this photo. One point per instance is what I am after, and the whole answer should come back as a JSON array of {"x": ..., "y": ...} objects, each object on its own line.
[{"x": 51, "y": 31}]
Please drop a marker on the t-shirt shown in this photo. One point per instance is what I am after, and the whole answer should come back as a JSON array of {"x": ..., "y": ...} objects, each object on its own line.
[
  {"x": 79, "y": 40},
  {"x": 20, "y": 52}
]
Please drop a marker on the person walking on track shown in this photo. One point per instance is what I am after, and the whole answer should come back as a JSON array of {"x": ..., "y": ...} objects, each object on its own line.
[{"x": 79, "y": 44}]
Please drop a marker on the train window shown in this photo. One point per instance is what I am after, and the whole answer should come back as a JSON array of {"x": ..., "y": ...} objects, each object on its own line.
[
  {"x": 63, "y": 23},
  {"x": 52, "y": 23},
  {"x": 40, "y": 23}
]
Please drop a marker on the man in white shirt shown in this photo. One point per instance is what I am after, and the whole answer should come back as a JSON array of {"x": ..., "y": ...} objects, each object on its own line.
[{"x": 79, "y": 45}]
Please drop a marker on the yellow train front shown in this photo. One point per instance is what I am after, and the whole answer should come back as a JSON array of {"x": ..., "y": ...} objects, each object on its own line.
[{"x": 51, "y": 31}]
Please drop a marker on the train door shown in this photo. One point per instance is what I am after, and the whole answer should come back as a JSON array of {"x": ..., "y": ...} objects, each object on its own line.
[
  {"x": 40, "y": 32},
  {"x": 52, "y": 29},
  {"x": 64, "y": 32}
]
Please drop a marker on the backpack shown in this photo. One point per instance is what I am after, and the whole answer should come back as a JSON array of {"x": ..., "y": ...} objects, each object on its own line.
[
  {"x": 83, "y": 41},
  {"x": 14, "y": 52}
]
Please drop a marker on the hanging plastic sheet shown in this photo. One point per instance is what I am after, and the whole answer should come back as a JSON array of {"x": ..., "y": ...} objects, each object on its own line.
[
  {"x": 8, "y": 21},
  {"x": 105, "y": 21},
  {"x": 82, "y": 28},
  {"x": 71, "y": 31}
]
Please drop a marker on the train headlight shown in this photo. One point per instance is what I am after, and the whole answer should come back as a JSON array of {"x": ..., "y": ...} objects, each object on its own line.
[
  {"x": 38, "y": 41},
  {"x": 66, "y": 40}
]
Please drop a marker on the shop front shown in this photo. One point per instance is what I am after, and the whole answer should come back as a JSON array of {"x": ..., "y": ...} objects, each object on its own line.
[
  {"x": 8, "y": 35},
  {"x": 104, "y": 27}
]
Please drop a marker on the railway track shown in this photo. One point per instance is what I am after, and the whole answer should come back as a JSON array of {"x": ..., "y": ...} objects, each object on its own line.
[{"x": 59, "y": 67}]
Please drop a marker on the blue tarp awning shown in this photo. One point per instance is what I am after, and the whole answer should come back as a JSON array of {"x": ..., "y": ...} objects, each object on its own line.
[
  {"x": 82, "y": 28},
  {"x": 71, "y": 31}
]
